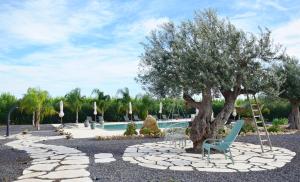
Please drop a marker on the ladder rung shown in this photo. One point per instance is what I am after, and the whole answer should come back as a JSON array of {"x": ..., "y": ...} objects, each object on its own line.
[
  {"x": 257, "y": 116},
  {"x": 255, "y": 110},
  {"x": 264, "y": 140}
]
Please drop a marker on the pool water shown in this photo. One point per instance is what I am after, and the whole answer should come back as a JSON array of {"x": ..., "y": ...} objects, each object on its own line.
[{"x": 161, "y": 124}]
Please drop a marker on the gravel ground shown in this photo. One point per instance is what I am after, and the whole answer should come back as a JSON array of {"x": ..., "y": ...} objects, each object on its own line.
[
  {"x": 14, "y": 129},
  {"x": 12, "y": 162},
  {"x": 124, "y": 171}
]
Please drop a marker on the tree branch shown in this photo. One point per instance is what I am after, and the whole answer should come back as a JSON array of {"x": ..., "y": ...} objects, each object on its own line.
[{"x": 190, "y": 101}]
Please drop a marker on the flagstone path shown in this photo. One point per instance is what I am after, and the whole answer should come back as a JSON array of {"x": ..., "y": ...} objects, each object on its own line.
[
  {"x": 247, "y": 157},
  {"x": 104, "y": 158},
  {"x": 51, "y": 162}
]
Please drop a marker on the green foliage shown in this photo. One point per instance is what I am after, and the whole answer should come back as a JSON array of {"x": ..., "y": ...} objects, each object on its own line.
[
  {"x": 123, "y": 101},
  {"x": 275, "y": 129},
  {"x": 7, "y": 101},
  {"x": 148, "y": 131},
  {"x": 145, "y": 131},
  {"x": 207, "y": 52},
  {"x": 290, "y": 70},
  {"x": 37, "y": 101},
  {"x": 102, "y": 101},
  {"x": 248, "y": 128},
  {"x": 130, "y": 130},
  {"x": 74, "y": 101},
  {"x": 280, "y": 121},
  {"x": 271, "y": 108},
  {"x": 188, "y": 131},
  {"x": 217, "y": 106},
  {"x": 277, "y": 108}
]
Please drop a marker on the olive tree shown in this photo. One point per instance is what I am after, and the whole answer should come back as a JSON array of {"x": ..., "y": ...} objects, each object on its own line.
[
  {"x": 291, "y": 88},
  {"x": 205, "y": 56}
]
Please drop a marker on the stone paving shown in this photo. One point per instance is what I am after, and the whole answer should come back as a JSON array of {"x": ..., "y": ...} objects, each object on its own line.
[
  {"x": 247, "y": 157},
  {"x": 104, "y": 158},
  {"x": 51, "y": 162}
]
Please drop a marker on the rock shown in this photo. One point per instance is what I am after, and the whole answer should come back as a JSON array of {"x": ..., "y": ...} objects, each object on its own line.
[
  {"x": 42, "y": 167},
  {"x": 104, "y": 160},
  {"x": 33, "y": 180},
  {"x": 151, "y": 124},
  {"x": 75, "y": 162},
  {"x": 103, "y": 155},
  {"x": 78, "y": 180},
  {"x": 79, "y": 173},
  {"x": 68, "y": 167},
  {"x": 32, "y": 175}
]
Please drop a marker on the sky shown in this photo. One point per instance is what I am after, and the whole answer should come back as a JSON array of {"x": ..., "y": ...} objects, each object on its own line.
[{"x": 59, "y": 45}]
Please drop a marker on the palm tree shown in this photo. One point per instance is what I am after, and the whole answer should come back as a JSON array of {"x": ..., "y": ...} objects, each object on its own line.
[
  {"x": 75, "y": 101},
  {"x": 102, "y": 101},
  {"x": 38, "y": 102},
  {"x": 144, "y": 104},
  {"x": 124, "y": 100}
]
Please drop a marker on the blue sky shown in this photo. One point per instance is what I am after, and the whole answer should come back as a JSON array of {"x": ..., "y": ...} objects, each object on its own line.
[{"x": 60, "y": 45}]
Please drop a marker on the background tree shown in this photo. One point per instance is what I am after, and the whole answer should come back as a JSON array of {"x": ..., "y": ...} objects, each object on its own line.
[
  {"x": 124, "y": 100},
  {"x": 75, "y": 101},
  {"x": 39, "y": 102},
  {"x": 205, "y": 56},
  {"x": 102, "y": 100},
  {"x": 291, "y": 89},
  {"x": 143, "y": 104},
  {"x": 7, "y": 101}
]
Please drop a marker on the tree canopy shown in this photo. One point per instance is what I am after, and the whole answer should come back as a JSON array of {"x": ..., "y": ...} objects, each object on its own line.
[
  {"x": 207, "y": 52},
  {"x": 290, "y": 89},
  {"x": 37, "y": 101},
  {"x": 208, "y": 55},
  {"x": 74, "y": 101}
]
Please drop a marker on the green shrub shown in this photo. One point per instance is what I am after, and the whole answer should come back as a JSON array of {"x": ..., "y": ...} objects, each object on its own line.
[
  {"x": 188, "y": 131},
  {"x": 280, "y": 121},
  {"x": 275, "y": 129},
  {"x": 145, "y": 131},
  {"x": 130, "y": 130},
  {"x": 148, "y": 132},
  {"x": 248, "y": 128}
]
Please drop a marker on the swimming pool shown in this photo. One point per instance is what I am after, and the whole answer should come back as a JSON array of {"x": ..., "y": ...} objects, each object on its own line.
[{"x": 139, "y": 124}]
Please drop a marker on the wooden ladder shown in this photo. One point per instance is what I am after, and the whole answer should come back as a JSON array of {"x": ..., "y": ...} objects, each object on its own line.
[{"x": 258, "y": 118}]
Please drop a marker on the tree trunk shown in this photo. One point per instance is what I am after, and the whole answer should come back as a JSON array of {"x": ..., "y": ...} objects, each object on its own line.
[
  {"x": 224, "y": 114},
  {"x": 77, "y": 116},
  {"x": 33, "y": 118},
  {"x": 201, "y": 125},
  {"x": 294, "y": 117},
  {"x": 38, "y": 119}
]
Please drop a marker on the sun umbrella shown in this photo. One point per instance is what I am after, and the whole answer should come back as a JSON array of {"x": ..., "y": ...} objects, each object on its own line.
[
  {"x": 61, "y": 112},
  {"x": 160, "y": 107},
  {"x": 130, "y": 108},
  {"x": 95, "y": 110}
]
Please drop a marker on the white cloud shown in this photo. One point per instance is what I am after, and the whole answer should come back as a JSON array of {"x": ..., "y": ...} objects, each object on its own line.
[
  {"x": 48, "y": 22},
  {"x": 288, "y": 35},
  {"x": 65, "y": 68},
  {"x": 260, "y": 4},
  {"x": 245, "y": 15},
  {"x": 141, "y": 27}
]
